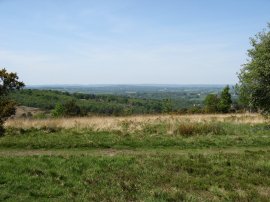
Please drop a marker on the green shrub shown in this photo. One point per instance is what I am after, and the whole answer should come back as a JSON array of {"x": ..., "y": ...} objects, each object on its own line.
[
  {"x": 58, "y": 110},
  {"x": 70, "y": 108}
]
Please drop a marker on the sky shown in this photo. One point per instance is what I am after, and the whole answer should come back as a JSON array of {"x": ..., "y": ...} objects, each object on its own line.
[{"x": 128, "y": 41}]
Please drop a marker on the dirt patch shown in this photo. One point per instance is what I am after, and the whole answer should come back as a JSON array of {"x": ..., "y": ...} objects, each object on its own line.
[{"x": 23, "y": 111}]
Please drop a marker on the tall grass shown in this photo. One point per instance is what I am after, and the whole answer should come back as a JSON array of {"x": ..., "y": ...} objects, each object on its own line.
[
  {"x": 189, "y": 128},
  {"x": 165, "y": 134},
  {"x": 132, "y": 123}
]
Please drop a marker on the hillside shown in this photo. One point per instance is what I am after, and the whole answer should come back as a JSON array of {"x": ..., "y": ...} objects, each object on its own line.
[{"x": 91, "y": 103}]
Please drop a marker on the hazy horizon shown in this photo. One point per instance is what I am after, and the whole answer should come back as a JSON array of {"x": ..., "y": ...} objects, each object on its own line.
[
  {"x": 122, "y": 84},
  {"x": 132, "y": 42}
]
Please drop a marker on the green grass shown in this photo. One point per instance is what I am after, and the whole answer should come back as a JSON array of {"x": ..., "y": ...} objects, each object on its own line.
[
  {"x": 192, "y": 162},
  {"x": 156, "y": 177}
]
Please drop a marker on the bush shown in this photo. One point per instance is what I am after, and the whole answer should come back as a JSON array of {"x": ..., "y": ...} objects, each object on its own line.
[
  {"x": 70, "y": 108},
  {"x": 58, "y": 111}
]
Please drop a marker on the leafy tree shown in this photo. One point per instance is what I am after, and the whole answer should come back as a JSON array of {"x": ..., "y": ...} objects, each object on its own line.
[
  {"x": 8, "y": 83},
  {"x": 211, "y": 103},
  {"x": 225, "y": 100},
  {"x": 254, "y": 77}
]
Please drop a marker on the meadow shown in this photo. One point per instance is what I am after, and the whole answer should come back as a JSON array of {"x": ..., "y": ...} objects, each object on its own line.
[{"x": 137, "y": 158}]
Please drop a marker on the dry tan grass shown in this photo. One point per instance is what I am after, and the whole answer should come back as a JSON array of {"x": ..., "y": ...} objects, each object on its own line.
[{"x": 132, "y": 122}]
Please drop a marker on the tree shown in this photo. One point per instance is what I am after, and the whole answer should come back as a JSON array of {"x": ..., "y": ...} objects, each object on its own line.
[
  {"x": 214, "y": 103},
  {"x": 8, "y": 83},
  {"x": 254, "y": 77},
  {"x": 225, "y": 100},
  {"x": 211, "y": 103},
  {"x": 167, "y": 106},
  {"x": 70, "y": 108},
  {"x": 58, "y": 110}
]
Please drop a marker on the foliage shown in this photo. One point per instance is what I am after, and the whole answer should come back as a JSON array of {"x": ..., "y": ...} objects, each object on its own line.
[
  {"x": 181, "y": 96},
  {"x": 72, "y": 109},
  {"x": 254, "y": 77},
  {"x": 222, "y": 104},
  {"x": 8, "y": 82},
  {"x": 211, "y": 103},
  {"x": 68, "y": 109},
  {"x": 90, "y": 103},
  {"x": 58, "y": 111},
  {"x": 225, "y": 101}
]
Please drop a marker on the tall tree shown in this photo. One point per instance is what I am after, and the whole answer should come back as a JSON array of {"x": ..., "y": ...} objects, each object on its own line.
[
  {"x": 211, "y": 103},
  {"x": 254, "y": 77},
  {"x": 8, "y": 83},
  {"x": 225, "y": 100}
]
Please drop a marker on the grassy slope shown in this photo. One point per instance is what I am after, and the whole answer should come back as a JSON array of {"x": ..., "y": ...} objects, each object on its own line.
[{"x": 218, "y": 161}]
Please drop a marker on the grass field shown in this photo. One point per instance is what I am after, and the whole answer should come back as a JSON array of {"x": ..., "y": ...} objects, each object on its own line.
[{"x": 140, "y": 158}]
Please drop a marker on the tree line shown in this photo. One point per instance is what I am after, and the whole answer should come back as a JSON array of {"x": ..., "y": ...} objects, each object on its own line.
[
  {"x": 78, "y": 104},
  {"x": 65, "y": 104}
]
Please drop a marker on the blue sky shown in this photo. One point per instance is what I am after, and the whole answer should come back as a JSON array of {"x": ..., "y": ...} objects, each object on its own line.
[{"x": 128, "y": 41}]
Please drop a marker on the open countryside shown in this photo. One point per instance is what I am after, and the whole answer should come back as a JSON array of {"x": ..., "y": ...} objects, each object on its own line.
[{"x": 134, "y": 100}]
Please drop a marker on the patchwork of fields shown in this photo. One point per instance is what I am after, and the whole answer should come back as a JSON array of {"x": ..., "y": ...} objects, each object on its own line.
[{"x": 137, "y": 158}]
